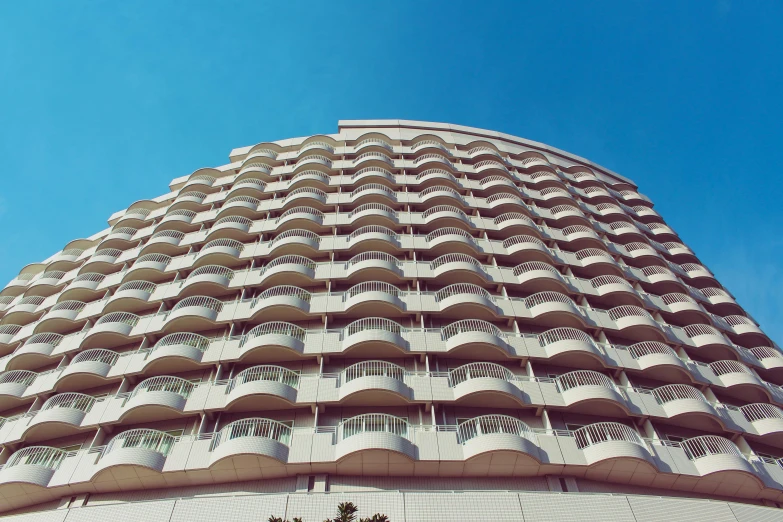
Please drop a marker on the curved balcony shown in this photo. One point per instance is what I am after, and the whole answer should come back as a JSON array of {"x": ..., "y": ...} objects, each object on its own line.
[
  {"x": 506, "y": 202},
  {"x": 375, "y": 174},
  {"x": 712, "y": 454},
  {"x": 566, "y": 215},
  {"x": 591, "y": 392},
  {"x": 247, "y": 187},
  {"x": 498, "y": 435},
  {"x": 604, "y": 441},
  {"x": 13, "y": 385},
  {"x": 686, "y": 308},
  {"x": 295, "y": 241},
  {"x": 33, "y": 465},
  {"x": 35, "y": 352},
  {"x": 289, "y": 268},
  {"x": 8, "y": 332},
  {"x": 543, "y": 178},
  {"x": 309, "y": 178},
  {"x": 131, "y": 296},
  {"x": 300, "y": 217},
  {"x": 24, "y": 310},
  {"x": 659, "y": 361},
  {"x": 317, "y": 146},
  {"x": 664, "y": 278},
  {"x": 261, "y": 152},
  {"x": 528, "y": 160},
  {"x": 312, "y": 195},
  {"x": 176, "y": 352},
  {"x": 231, "y": 227},
  {"x": 83, "y": 287},
  {"x": 272, "y": 341},
  {"x": 246, "y": 206},
  {"x": 611, "y": 210},
  {"x": 553, "y": 308},
  {"x": 581, "y": 236},
  {"x": 767, "y": 421},
  {"x": 746, "y": 329},
  {"x": 313, "y": 160},
  {"x": 484, "y": 150},
  {"x": 721, "y": 300},
  {"x": 199, "y": 182},
  {"x": 66, "y": 260},
  {"x": 709, "y": 340},
  {"x": 137, "y": 448},
  {"x": 223, "y": 252},
  {"x": 572, "y": 344},
  {"x": 87, "y": 369},
  {"x": 265, "y": 439},
  {"x": 149, "y": 267},
  {"x": 552, "y": 196},
  {"x": 595, "y": 193},
  {"x": 740, "y": 381},
  {"x": 466, "y": 300},
  {"x": 374, "y": 298},
  {"x": 206, "y": 277},
  {"x": 373, "y": 142},
  {"x": 46, "y": 284},
  {"x": 256, "y": 170},
  {"x": 595, "y": 261},
  {"x": 374, "y": 337},
  {"x": 195, "y": 312},
  {"x": 113, "y": 329},
  {"x": 770, "y": 358},
  {"x": 373, "y": 193},
  {"x": 641, "y": 254},
  {"x": 60, "y": 416},
  {"x": 157, "y": 398},
  {"x": 164, "y": 242},
  {"x": 18, "y": 284},
  {"x": 189, "y": 200},
  {"x": 485, "y": 384},
  {"x": 451, "y": 239},
  {"x": 374, "y": 265},
  {"x": 372, "y": 214},
  {"x": 121, "y": 237},
  {"x": 538, "y": 276},
  {"x": 61, "y": 317},
  {"x": 376, "y": 432},
  {"x": 698, "y": 273},
  {"x": 432, "y": 161},
  {"x": 636, "y": 323},
  {"x": 491, "y": 168},
  {"x": 474, "y": 338},
  {"x": 446, "y": 215},
  {"x": 282, "y": 303},
  {"x": 373, "y": 383},
  {"x": 264, "y": 387},
  {"x": 516, "y": 223},
  {"x": 179, "y": 220},
  {"x": 373, "y": 159},
  {"x": 527, "y": 247},
  {"x": 625, "y": 231},
  {"x": 617, "y": 288},
  {"x": 688, "y": 407},
  {"x": 452, "y": 268},
  {"x": 427, "y": 143},
  {"x": 441, "y": 195}
]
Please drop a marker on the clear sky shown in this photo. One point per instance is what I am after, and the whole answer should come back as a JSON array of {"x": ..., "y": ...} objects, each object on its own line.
[{"x": 103, "y": 103}]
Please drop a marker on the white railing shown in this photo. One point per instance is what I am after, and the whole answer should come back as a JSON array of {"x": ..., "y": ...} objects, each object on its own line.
[
  {"x": 516, "y": 216},
  {"x": 560, "y": 209},
  {"x": 608, "y": 206},
  {"x": 165, "y": 383},
  {"x": 52, "y": 274},
  {"x": 119, "y": 317},
  {"x": 506, "y": 195},
  {"x": 204, "y": 178},
  {"x": 766, "y": 352},
  {"x": 532, "y": 266},
  {"x": 478, "y": 370},
  {"x": 296, "y": 232},
  {"x": 592, "y": 252},
  {"x": 312, "y": 192},
  {"x": 200, "y": 301},
  {"x": 316, "y": 145},
  {"x": 372, "y": 206},
  {"x": 469, "y": 325},
  {"x": 253, "y": 427},
  {"x": 657, "y": 270},
  {"x": 443, "y": 208},
  {"x": 373, "y": 186},
  {"x": 257, "y": 184},
  {"x": 267, "y": 169},
  {"x": 521, "y": 239},
  {"x": 706, "y": 445},
  {"x": 239, "y": 220},
  {"x": 154, "y": 258},
  {"x": 620, "y": 312},
  {"x": 93, "y": 277},
  {"x": 10, "y": 329},
  {"x": 73, "y": 401},
  {"x": 380, "y": 156},
  {"x": 53, "y": 339},
  {"x": 199, "y": 342},
  {"x": 449, "y": 231},
  {"x": 181, "y": 212},
  {"x": 217, "y": 270},
  {"x": 738, "y": 320},
  {"x": 100, "y": 355},
  {"x": 176, "y": 234},
  {"x": 435, "y": 172},
  {"x": 373, "y": 423},
  {"x": 277, "y": 328},
  {"x": 715, "y": 292},
  {"x": 372, "y": 141},
  {"x": 563, "y": 334},
  {"x": 265, "y": 372},
  {"x": 107, "y": 252},
  {"x": 265, "y": 152},
  {"x": 193, "y": 194},
  {"x": 373, "y": 229},
  {"x": 577, "y": 229},
  {"x": 693, "y": 267},
  {"x": 372, "y": 255},
  {"x": 432, "y": 143},
  {"x": 598, "y": 282},
  {"x": 438, "y": 189},
  {"x": 490, "y": 424},
  {"x": 547, "y": 297},
  {"x": 643, "y": 348},
  {"x": 242, "y": 199},
  {"x": 71, "y": 252},
  {"x": 372, "y": 286},
  {"x": 426, "y": 157},
  {"x": 122, "y": 231},
  {"x": 676, "y": 297},
  {"x": 43, "y": 456},
  {"x": 726, "y": 367},
  {"x": 760, "y": 411},
  {"x": 73, "y": 306},
  {"x": 579, "y": 378},
  {"x": 372, "y": 369},
  {"x": 543, "y": 175},
  {"x": 638, "y": 247},
  {"x": 140, "y": 285},
  {"x": 378, "y": 171},
  {"x": 373, "y": 323},
  {"x": 137, "y": 212},
  {"x": 282, "y": 291},
  {"x": 676, "y": 392},
  {"x": 152, "y": 440},
  {"x": 461, "y": 289},
  {"x": 695, "y": 330},
  {"x": 314, "y": 157},
  {"x": 224, "y": 243},
  {"x": 483, "y": 149},
  {"x": 34, "y": 300},
  {"x": 604, "y": 432},
  {"x": 454, "y": 258},
  {"x": 289, "y": 259}
]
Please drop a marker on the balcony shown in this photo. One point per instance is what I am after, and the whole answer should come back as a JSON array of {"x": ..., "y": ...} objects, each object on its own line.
[
  {"x": 571, "y": 344},
  {"x": 708, "y": 339},
  {"x": 13, "y": 385},
  {"x": 121, "y": 237},
  {"x": 496, "y": 183},
  {"x": 88, "y": 369},
  {"x": 188, "y": 200},
  {"x": 84, "y": 287},
  {"x": 374, "y": 337},
  {"x": 446, "y": 215},
  {"x": 373, "y": 383},
  {"x": 61, "y": 317},
  {"x": 248, "y": 187},
  {"x": 157, "y": 398},
  {"x": 685, "y": 307},
  {"x": 636, "y": 323},
  {"x": 131, "y": 297},
  {"x": 176, "y": 352},
  {"x": 265, "y": 439},
  {"x": 744, "y": 328},
  {"x": 246, "y": 206},
  {"x": 466, "y": 300},
  {"x": 373, "y": 142},
  {"x": 373, "y": 214},
  {"x": 313, "y": 160},
  {"x": 687, "y": 406},
  {"x": 282, "y": 303},
  {"x": 316, "y": 146},
  {"x": 475, "y": 339},
  {"x": 373, "y": 159},
  {"x": 47, "y": 283},
  {"x": 491, "y": 167},
  {"x": 441, "y": 195},
  {"x": 223, "y": 252},
  {"x": 613, "y": 441},
  {"x": 538, "y": 276},
  {"x": 272, "y": 341},
  {"x": 591, "y": 392},
  {"x": 553, "y": 308},
  {"x": 375, "y": 174},
  {"x": 373, "y": 193},
  {"x": 206, "y": 279},
  {"x": 295, "y": 241},
  {"x": 8, "y": 332},
  {"x": 196, "y": 312},
  {"x": 164, "y": 242},
  {"x": 60, "y": 416},
  {"x": 149, "y": 267},
  {"x": 498, "y": 435},
  {"x": 429, "y": 177},
  {"x": 113, "y": 329},
  {"x": 231, "y": 227},
  {"x": 527, "y": 247},
  {"x": 452, "y": 268},
  {"x": 740, "y": 381},
  {"x": 659, "y": 361},
  {"x": 374, "y": 298},
  {"x": 485, "y": 384},
  {"x": 137, "y": 448},
  {"x": 24, "y": 311},
  {"x": 264, "y": 387},
  {"x": 179, "y": 220},
  {"x": 712, "y": 454},
  {"x": 432, "y": 161},
  {"x": 451, "y": 239},
  {"x": 506, "y": 202},
  {"x": 34, "y": 465},
  {"x": 595, "y": 262},
  {"x": 312, "y": 195},
  {"x": 374, "y": 265},
  {"x": 256, "y": 170},
  {"x": 300, "y": 217},
  {"x": 581, "y": 236},
  {"x": 35, "y": 352},
  {"x": 199, "y": 182},
  {"x": 770, "y": 358},
  {"x": 374, "y": 432},
  {"x": 516, "y": 223},
  {"x": 618, "y": 289}
]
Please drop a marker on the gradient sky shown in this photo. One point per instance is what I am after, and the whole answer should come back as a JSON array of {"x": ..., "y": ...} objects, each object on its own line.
[{"x": 102, "y": 103}]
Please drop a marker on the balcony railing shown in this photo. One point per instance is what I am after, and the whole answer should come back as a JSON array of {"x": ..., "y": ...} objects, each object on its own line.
[
  {"x": 604, "y": 432},
  {"x": 479, "y": 370},
  {"x": 469, "y": 325},
  {"x": 43, "y": 456},
  {"x": 373, "y": 423},
  {"x": 277, "y": 328},
  {"x": 253, "y": 427},
  {"x": 165, "y": 383},
  {"x": 153, "y": 440},
  {"x": 491, "y": 424},
  {"x": 707, "y": 445},
  {"x": 372, "y": 369},
  {"x": 266, "y": 372}
]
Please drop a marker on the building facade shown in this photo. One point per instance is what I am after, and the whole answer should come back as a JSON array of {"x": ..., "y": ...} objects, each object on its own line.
[{"x": 399, "y": 306}]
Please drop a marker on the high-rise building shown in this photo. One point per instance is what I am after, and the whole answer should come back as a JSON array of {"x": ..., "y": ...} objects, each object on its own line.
[{"x": 432, "y": 321}]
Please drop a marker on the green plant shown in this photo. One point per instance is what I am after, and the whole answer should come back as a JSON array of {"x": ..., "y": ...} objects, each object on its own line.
[
  {"x": 346, "y": 512},
  {"x": 273, "y": 518}
]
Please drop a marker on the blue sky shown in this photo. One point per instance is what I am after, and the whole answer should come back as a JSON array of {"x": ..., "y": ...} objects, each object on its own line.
[{"x": 102, "y": 103}]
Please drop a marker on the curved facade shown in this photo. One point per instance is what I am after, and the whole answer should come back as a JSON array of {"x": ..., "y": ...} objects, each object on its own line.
[{"x": 407, "y": 300}]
